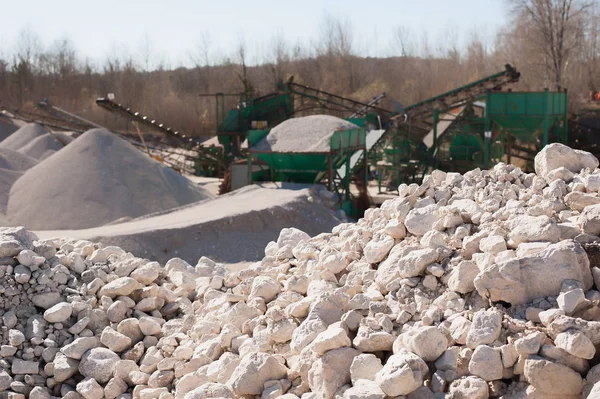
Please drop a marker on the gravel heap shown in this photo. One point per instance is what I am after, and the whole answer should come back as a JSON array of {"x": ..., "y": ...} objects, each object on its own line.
[
  {"x": 23, "y": 136},
  {"x": 467, "y": 286},
  {"x": 304, "y": 134},
  {"x": 8, "y": 126},
  {"x": 12, "y": 166},
  {"x": 16, "y": 161},
  {"x": 42, "y": 147},
  {"x": 96, "y": 179}
]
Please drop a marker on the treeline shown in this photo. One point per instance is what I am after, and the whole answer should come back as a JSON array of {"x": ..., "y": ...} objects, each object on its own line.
[{"x": 554, "y": 44}]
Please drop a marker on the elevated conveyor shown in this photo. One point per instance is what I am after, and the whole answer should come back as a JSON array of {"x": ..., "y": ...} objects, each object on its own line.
[
  {"x": 115, "y": 107},
  {"x": 420, "y": 115}
]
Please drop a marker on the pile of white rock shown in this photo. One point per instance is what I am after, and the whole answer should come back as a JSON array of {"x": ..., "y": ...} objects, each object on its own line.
[{"x": 467, "y": 286}]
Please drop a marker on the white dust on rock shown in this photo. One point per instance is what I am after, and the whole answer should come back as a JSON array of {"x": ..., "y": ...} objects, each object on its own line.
[{"x": 95, "y": 180}]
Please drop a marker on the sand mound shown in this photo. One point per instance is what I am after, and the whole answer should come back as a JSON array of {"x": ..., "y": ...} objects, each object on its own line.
[
  {"x": 7, "y": 179},
  {"x": 96, "y": 179},
  {"x": 41, "y": 147},
  {"x": 247, "y": 218},
  {"x": 23, "y": 136},
  {"x": 65, "y": 137},
  {"x": 15, "y": 161},
  {"x": 7, "y": 127},
  {"x": 305, "y": 134}
]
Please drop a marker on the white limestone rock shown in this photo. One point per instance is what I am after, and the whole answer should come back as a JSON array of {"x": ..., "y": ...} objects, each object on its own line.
[
  {"x": 402, "y": 374},
  {"x": 365, "y": 367},
  {"x": 331, "y": 371},
  {"x": 427, "y": 342},
  {"x": 462, "y": 277},
  {"x": 332, "y": 338},
  {"x": 486, "y": 363},
  {"x": 253, "y": 371},
  {"x": 99, "y": 364},
  {"x": 378, "y": 248},
  {"x": 364, "y": 389},
  {"x": 576, "y": 343},
  {"x": 518, "y": 281},
  {"x": 59, "y": 313},
  {"x": 527, "y": 228},
  {"x": 590, "y": 220},
  {"x": 469, "y": 387},
  {"x": 404, "y": 262},
  {"x": 552, "y": 378},
  {"x": 485, "y": 329},
  {"x": 558, "y": 155}
]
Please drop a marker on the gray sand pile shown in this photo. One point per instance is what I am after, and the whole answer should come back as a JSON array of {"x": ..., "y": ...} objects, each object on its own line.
[
  {"x": 95, "y": 180},
  {"x": 23, "y": 136},
  {"x": 12, "y": 166},
  {"x": 41, "y": 147},
  {"x": 7, "y": 126},
  {"x": 305, "y": 134},
  {"x": 15, "y": 161},
  {"x": 7, "y": 179},
  {"x": 247, "y": 218}
]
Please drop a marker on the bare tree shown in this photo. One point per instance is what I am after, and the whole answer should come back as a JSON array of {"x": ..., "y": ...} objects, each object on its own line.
[
  {"x": 558, "y": 31},
  {"x": 402, "y": 41},
  {"x": 145, "y": 52}
]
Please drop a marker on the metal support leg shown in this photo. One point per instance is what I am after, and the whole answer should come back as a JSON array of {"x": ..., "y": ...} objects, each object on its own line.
[
  {"x": 487, "y": 131},
  {"x": 545, "y": 107}
]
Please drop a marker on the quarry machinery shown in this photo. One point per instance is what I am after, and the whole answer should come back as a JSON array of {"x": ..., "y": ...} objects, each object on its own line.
[{"x": 252, "y": 118}]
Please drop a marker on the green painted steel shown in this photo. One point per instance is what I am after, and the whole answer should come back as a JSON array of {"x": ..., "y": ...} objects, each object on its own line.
[
  {"x": 254, "y": 136},
  {"x": 529, "y": 115}
]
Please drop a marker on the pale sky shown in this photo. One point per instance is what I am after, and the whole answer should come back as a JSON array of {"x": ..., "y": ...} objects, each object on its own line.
[{"x": 174, "y": 27}]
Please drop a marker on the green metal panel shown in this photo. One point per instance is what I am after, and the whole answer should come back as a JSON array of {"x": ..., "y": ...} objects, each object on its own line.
[
  {"x": 523, "y": 113},
  {"x": 348, "y": 139},
  {"x": 254, "y": 136},
  {"x": 296, "y": 167},
  {"x": 360, "y": 122}
]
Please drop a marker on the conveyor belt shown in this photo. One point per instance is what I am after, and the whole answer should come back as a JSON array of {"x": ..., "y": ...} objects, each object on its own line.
[
  {"x": 112, "y": 106},
  {"x": 421, "y": 114}
]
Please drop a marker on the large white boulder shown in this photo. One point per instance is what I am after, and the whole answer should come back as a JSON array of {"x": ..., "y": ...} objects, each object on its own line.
[
  {"x": 331, "y": 371},
  {"x": 558, "y": 155},
  {"x": 552, "y": 378},
  {"x": 518, "y": 281},
  {"x": 402, "y": 374},
  {"x": 253, "y": 371}
]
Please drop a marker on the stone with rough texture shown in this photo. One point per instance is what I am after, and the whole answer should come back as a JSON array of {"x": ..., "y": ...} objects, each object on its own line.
[
  {"x": 404, "y": 262},
  {"x": 462, "y": 277},
  {"x": 403, "y": 373},
  {"x": 364, "y": 389},
  {"x": 99, "y": 364},
  {"x": 552, "y": 378},
  {"x": 331, "y": 371},
  {"x": 90, "y": 389},
  {"x": 365, "y": 367},
  {"x": 518, "y": 281},
  {"x": 469, "y": 387},
  {"x": 486, "y": 363},
  {"x": 576, "y": 343},
  {"x": 253, "y": 371},
  {"x": 58, "y": 313},
  {"x": 427, "y": 342},
  {"x": 590, "y": 220},
  {"x": 485, "y": 329},
  {"x": 558, "y": 155},
  {"x": 332, "y": 338},
  {"x": 210, "y": 390},
  {"x": 533, "y": 229}
]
